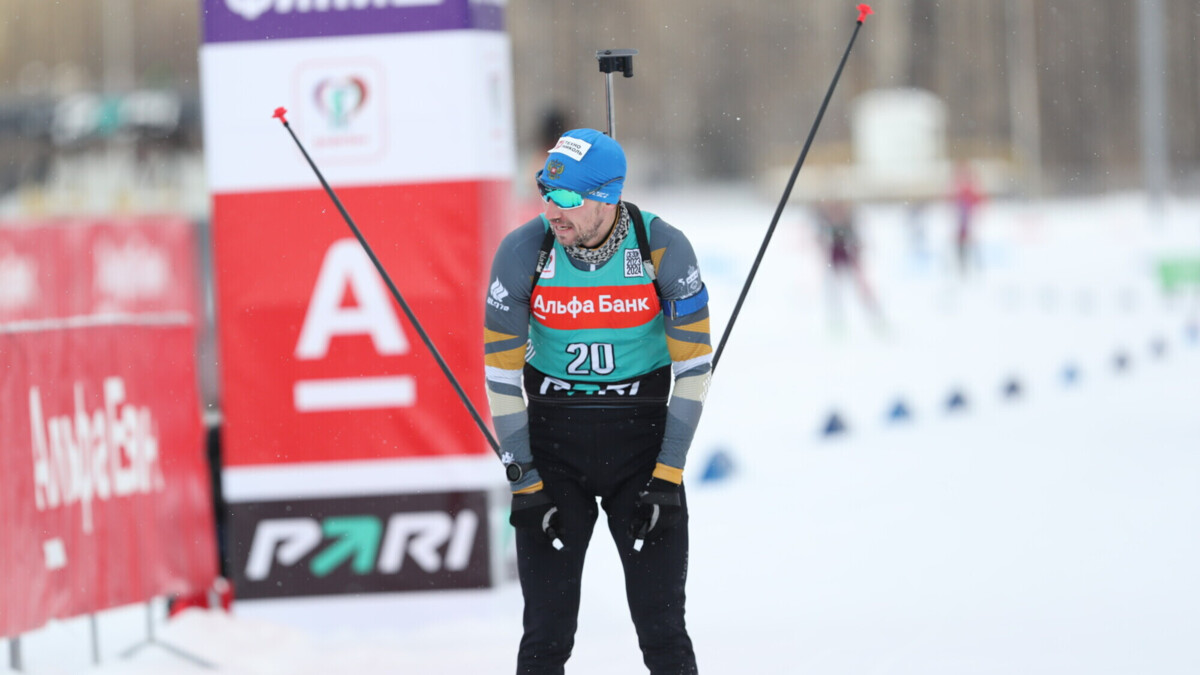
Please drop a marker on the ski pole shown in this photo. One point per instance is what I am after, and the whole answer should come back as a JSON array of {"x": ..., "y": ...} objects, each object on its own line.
[
  {"x": 863, "y": 11},
  {"x": 620, "y": 60},
  {"x": 280, "y": 113}
]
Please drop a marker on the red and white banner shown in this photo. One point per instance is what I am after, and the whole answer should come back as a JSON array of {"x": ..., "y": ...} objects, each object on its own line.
[
  {"x": 106, "y": 497},
  {"x": 319, "y": 362},
  {"x": 335, "y": 414}
]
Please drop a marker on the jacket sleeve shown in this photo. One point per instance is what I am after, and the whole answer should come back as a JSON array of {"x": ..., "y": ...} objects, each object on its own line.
[
  {"x": 505, "y": 335},
  {"x": 688, "y": 341}
]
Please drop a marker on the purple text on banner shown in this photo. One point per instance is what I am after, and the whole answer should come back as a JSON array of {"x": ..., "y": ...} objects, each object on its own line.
[{"x": 247, "y": 20}]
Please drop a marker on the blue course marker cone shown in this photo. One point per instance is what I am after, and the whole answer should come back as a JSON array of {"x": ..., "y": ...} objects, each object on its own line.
[
  {"x": 899, "y": 412},
  {"x": 1121, "y": 361},
  {"x": 834, "y": 425},
  {"x": 957, "y": 401},
  {"x": 1013, "y": 389},
  {"x": 720, "y": 466},
  {"x": 1070, "y": 374},
  {"x": 1158, "y": 347}
]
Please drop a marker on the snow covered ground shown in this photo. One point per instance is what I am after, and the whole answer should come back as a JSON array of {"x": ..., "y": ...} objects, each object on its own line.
[{"x": 1051, "y": 529}]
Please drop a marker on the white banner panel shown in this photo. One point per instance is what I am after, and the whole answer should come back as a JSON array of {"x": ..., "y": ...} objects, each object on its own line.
[{"x": 370, "y": 110}]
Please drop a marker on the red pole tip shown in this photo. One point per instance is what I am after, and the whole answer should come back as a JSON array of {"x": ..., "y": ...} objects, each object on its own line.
[
  {"x": 864, "y": 10},
  {"x": 281, "y": 111}
]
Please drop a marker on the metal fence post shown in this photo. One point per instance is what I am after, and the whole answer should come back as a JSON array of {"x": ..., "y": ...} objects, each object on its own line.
[
  {"x": 14, "y": 653},
  {"x": 151, "y": 640},
  {"x": 95, "y": 639}
]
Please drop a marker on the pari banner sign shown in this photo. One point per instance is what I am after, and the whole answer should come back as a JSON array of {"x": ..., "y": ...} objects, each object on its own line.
[
  {"x": 349, "y": 545},
  {"x": 328, "y": 392}
]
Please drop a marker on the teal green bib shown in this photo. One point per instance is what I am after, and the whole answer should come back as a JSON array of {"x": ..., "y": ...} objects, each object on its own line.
[{"x": 604, "y": 325}]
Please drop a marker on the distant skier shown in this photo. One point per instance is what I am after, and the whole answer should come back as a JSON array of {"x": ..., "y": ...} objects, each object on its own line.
[
  {"x": 967, "y": 198},
  {"x": 837, "y": 232}
]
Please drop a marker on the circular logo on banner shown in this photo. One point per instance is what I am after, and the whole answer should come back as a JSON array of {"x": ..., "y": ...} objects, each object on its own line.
[{"x": 339, "y": 98}]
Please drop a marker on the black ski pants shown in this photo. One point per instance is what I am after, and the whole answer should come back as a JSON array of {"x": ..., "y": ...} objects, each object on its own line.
[{"x": 584, "y": 454}]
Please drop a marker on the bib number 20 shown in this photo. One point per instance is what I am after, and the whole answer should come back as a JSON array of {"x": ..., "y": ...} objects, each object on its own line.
[{"x": 595, "y": 358}]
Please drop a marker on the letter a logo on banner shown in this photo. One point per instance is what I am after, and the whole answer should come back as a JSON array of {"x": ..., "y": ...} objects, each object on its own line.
[{"x": 347, "y": 267}]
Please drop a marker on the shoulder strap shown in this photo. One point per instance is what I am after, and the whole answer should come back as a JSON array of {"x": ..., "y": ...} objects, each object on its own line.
[
  {"x": 671, "y": 308},
  {"x": 643, "y": 242},
  {"x": 543, "y": 257}
]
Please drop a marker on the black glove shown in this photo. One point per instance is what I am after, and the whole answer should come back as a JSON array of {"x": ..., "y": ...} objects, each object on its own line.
[
  {"x": 658, "y": 508},
  {"x": 537, "y": 510}
]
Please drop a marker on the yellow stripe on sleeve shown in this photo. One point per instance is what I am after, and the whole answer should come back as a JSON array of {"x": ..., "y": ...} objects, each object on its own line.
[
  {"x": 686, "y": 351},
  {"x": 700, "y": 326},
  {"x": 656, "y": 255},
  {"x": 668, "y": 473},
  {"x": 513, "y": 359},
  {"x": 531, "y": 489},
  {"x": 490, "y": 336}
]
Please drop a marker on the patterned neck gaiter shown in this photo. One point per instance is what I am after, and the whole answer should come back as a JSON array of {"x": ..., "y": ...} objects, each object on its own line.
[{"x": 601, "y": 254}]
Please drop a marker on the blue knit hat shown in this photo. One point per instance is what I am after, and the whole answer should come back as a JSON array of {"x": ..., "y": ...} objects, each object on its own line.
[{"x": 584, "y": 159}]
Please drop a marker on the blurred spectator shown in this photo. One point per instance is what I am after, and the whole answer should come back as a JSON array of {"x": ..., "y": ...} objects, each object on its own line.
[
  {"x": 553, "y": 123},
  {"x": 916, "y": 215}
]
